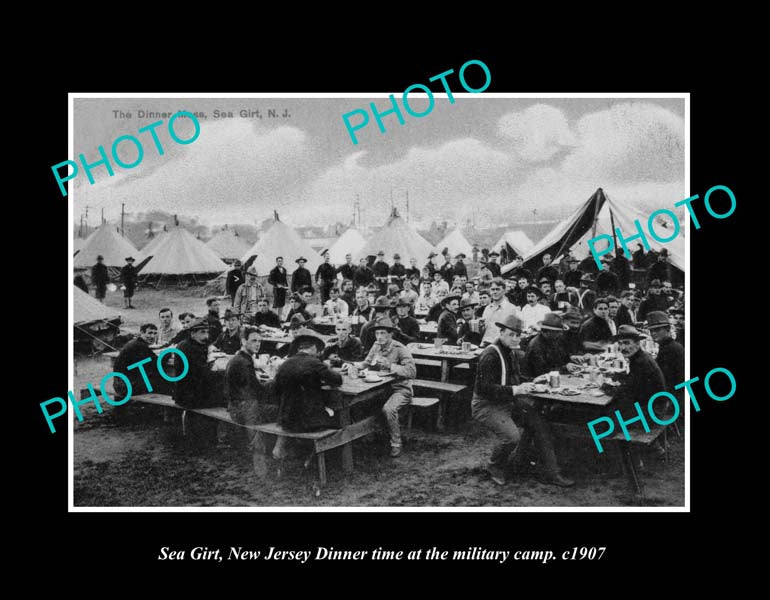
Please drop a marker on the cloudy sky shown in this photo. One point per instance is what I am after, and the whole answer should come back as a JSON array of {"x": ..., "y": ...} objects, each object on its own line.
[{"x": 498, "y": 160}]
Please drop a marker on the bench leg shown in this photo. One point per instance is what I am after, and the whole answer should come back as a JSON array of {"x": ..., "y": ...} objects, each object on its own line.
[
  {"x": 441, "y": 414},
  {"x": 259, "y": 458},
  {"x": 184, "y": 423},
  {"x": 409, "y": 414},
  {"x": 634, "y": 477},
  {"x": 322, "y": 468},
  {"x": 347, "y": 449}
]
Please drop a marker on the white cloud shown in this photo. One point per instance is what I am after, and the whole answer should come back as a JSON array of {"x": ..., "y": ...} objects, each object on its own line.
[{"x": 536, "y": 133}]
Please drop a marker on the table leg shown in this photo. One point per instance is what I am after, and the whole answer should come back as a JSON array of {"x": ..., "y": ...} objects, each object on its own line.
[
  {"x": 347, "y": 449},
  {"x": 440, "y": 425}
]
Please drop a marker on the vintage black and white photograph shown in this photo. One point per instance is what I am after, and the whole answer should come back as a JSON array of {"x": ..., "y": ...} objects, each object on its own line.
[{"x": 328, "y": 302}]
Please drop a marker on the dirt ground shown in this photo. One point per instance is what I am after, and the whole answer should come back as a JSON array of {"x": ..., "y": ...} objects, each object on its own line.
[{"x": 128, "y": 456}]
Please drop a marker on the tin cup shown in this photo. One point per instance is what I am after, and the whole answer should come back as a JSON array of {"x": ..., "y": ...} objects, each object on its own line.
[
  {"x": 352, "y": 371},
  {"x": 553, "y": 379},
  {"x": 466, "y": 347},
  {"x": 438, "y": 342},
  {"x": 474, "y": 325}
]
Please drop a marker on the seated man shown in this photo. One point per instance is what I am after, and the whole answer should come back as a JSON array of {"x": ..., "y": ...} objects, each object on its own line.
[
  {"x": 409, "y": 295},
  {"x": 212, "y": 318},
  {"x": 447, "y": 321},
  {"x": 670, "y": 356},
  {"x": 343, "y": 348},
  {"x": 229, "y": 341},
  {"x": 335, "y": 306},
  {"x": 135, "y": 351},
  {"x": 545, "y": 352},
  {"x": 595, "y": 333},
  {"x": 195, "y": 390},
  {"x": 408, "y": 327},
  {"x": 426, "y": 300},
  {"x": 435, "y": 312},
  {"x": 500, "y": 398},
  {"x": 363, "y": 312},
  {"x": 264, "y": 316},
  {"x": 296, "y": 306},
  {"x": 570, "y": 341},
  {"x": 533, "y": 312},
  {"x": 315, "y": 310},
  {"x": 464, "y": 330},
  {"x": 381, "y": 309},
  {"x": 168, "y": 328},
  {"x": 562, "y": 295},
  {"x": 186, "y": 319},
  {"x": 392, "y": 357}
]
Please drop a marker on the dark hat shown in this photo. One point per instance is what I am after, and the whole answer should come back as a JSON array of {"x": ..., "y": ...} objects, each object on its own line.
[
  {"x": 664, "y": 252},
  {"x": 657, "y": 318},
  {"x": 573, "y": 312},
  {"x": 100, "y": 257},
  {"x": 236, "y": 263},
  {"x": 511, "y": 322},
  {"x": 297, "y": 297},
  {"x": 627, "y": 332},
  {"x": 306, "y": 337},
  {"x": 432, "y": 254},
  {"x": 494, "y": 253},
  {"x": 396, "y": 256},
  {"x": 130, "y": 258},
  {"x": 533, "y": 290},
  {"x": 573, "y": 259},
  {"x": 676, "y": 310},
  {"x": 403, "y": 302},
  {"x": 381, "y": 253},
  {"x": 297, "y": 320},
  {"x": 252, "y": 270},
  {"x": 467, "y": 304},
  {"x": 449, "y": 298},
  {"x": 545, "y": 280},
  {"x": 199, "y": 324},
  {"x": 461, "y": 255},
  {"x": 655, "y": 283},
  {"x": 382, "y": 303},
  {"x": 552, "y": 322},
  {"x": 230, "y": 313},
  {"x": 587, "y": 278},
  {"x": 384, "y": 323},
  {"x": 301, "y": 259}
]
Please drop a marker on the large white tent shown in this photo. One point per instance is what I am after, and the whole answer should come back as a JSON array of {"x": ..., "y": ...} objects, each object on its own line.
[
  {"x": 88, "y": 309},
  {"x": 228, "y": 245},
  {"x": 456, "y": 242},
  {"x": 518, "y": 241},
  {"x": 149, "y": 248},
  {"x": 397, "y": 236},
  {"x": 350, "y": 242},
  {"x": 110, "y": 244},
  {"x": 180, "y": 253},
  {"x": 281, "y": 240}
]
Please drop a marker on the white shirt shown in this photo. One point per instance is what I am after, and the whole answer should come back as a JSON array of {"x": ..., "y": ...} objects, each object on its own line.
[
  {"x": 336, "y": 307},
  {"x": 494, "y": 313},
  {"x": 440, "y": 285},
  {"x": 424, "y": 303},
  {"x": 530, "y": 315}
]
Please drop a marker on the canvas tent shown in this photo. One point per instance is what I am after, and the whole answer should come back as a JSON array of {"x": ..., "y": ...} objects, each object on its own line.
[
  {"x": 600, "y": 215},
  {"x": 77, "y": 245},
  {"x": 96, "y": 324},
  {"x": 456, "y": 242},
  {"x": 110, "y": 244},
  {"x": 149, "y": 248},
  {"x": 350, "y": 242},
  {"x": 281, "y": 240},
  {"x": 180, "y": 253},
  {"x": 87, "y": 309},
  {"x": 228, "y": 245},
  {"x": 397, "y": 236},
  {"x": 514, "y": 241}
]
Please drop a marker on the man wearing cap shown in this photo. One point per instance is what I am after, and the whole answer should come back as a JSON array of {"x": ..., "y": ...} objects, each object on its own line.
[
  {"x": 661, "y": 269},
  {"x": 229, "y": 341},
  {"x": 500, "y": 398},
  {"x": 133, "y": 352},
  {"x": 571, "y": 341},
  {"x": 573, "y": 275},
  {"x": 670, "y": 356},
  {"x": 607, "y": 281},
  {"x": 447, "y": 321},
  {"x": 248, "y": 294},
  {"x": 195, "y": 390},
  {"x": 392, "y": 357},
  {"x": 429, "y": 265},
  {"x": 298, "y": 387},
  {"x": 562, "y": 295},
  {"x": 533, "y": 311},
  {"x": 547, "y": 270},
  {"x": 301, "y": 278},
  {"x": 234, "y": 280},
  {"x": 325, "y": 276},
  {"x": 586, "y": 296},
  {"x": 408, "y": 327},
  {"x": 626, "y": 315},
  {"x": 128, "y": 278},
  {"x": 498, "y": 309},
  {"x": 381, "y": 270},
  {"x": 460, "y": 268},
  {"x": 212, "y": 318},
  {"x": 413, "y": 270},
  {"x": 100, "y": 277},
  {"x": 278, "y": 279},
  {"x": 397, "y": 271},
  {"x": 265, "y": 317},
  {"x": 363, "y": 275},
  {"x": 654, "y": 300},
  {"x": 492, "y": 265},
  {"x": 381, "y": 309},
  {"x": 348, "y": 269},
  {"x": 596, "y": 332},
  {"x": 344, "y": 347},
  {"x": 464, "y": 330},
  {"x": 545, "y": 351}
]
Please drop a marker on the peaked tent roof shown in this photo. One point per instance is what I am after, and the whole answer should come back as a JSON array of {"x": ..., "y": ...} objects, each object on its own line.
[
  {"x": 226, "y": 244},
  {"x": 456, "y": 242},
  {"x": 281, "y": 240},
  {"x": 350, "y": 242},
  {"x": 109, "y": 243},
  {"x": 77, "y": 245},
  {"x": 88, "y": 309},
  {"x": 397, "y": 236},
  {"x": 149, "y": 248},
  {"x": 518, "y": 240},
  {"x": 575, "y": 231},
  {"x": 180, "y": 253}
]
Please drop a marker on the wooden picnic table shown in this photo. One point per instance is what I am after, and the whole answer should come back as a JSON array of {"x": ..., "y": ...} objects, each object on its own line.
[
  {"x": 428, "y": 331},
  {"x": 585, "y": 398}
]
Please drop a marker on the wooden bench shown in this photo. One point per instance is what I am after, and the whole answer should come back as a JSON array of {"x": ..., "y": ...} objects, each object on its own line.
[
  {"x": 418, "y": 402},
  {"x": 429, "y": 362},
  {"x": 323, "y": 440},
  {"x": 641, "y": 437},
  {"x": 445, "y": 391}
]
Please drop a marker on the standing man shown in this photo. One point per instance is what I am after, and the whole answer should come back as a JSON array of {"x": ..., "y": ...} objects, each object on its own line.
[
  {"x": 301, "y": 278},
  {"x": 573, "y": 275},
  {"x": 348, "y": 269},
  {"x": 248, "y": 294},
  {"x": 446, "y": 270},
  {"x": 492, "y": 265},
  {"x": 460, "y": 269},
  {"x": 234, "y": 280},
  {"x": 212, "y": 319},
  {"x": 429, "y": 265},
  {"x": 278, "y": 279},
  {"x": 128, "y": 278},
  {"x": 101, "y": 277},
  {"x": 363, "y": 275},
  {"x": 622, "y": 268},
  {"x": 325, "y": 276},
  {"x": 447, "y": 321},
  {"x": 607, "y": 281},
  {"x": 547, "y": 270},
  {"x": 392, "y": 357},
  {"x": 381, "y": 270},
  {"x": 413, "y": 270},
  {"x": 397, "y": 271},
  {"x": 498, "y": 310},
  {"x": 499, "y": 397}
]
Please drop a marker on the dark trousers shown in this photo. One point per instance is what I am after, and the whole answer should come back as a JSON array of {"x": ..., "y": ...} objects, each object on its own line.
[
  {"x": 325, "y": 287},
  {"x": 279, "y": 297}
]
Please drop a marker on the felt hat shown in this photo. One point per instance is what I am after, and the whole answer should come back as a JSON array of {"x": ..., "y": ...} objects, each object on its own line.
[
  {"x": 511, "y": 322},
  {"x": 384, "y": 323},
  {"x": 301, "y": 259},
  {"x": 657, "y": 318},
  {"x": 129, "y": 259},
  {"x": 403, "y": 302},
  {"x": 252, "y": 270},
  {"x": 627, "y": 332},
  {"x": 494, "y": 253},
  {"x": 467, "y": 303},
  {"x": 382, "y": 303},
  {"x": 381, "y": 253},
  {"x": 449, "y": 298},
  {"x": 230, "y": 313},
  {"x": 199, "y": 324},
  {"x": 306, "y": 336},
  {"x": 396, "y": 256},
  {"x": 100, "y": 257},
  {"x": 552, "y": 322},
  {"x": 461, "y": 255}
]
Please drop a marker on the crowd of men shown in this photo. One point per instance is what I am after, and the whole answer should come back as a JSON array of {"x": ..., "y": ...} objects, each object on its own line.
[{"x": 526, "y": 325}]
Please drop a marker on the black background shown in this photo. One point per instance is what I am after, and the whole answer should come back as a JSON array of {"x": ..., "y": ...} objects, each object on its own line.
[{"x": 124, "y": 547}]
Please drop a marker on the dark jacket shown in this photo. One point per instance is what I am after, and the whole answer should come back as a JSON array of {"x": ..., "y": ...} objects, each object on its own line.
[
  {"x": 586, "y": 298},
  {"x": 488, "y": 388},
  {"x": 229, "y": 344},
  {"x": 622, "y": 268},
  {"x": 651, "y": 303},
  {"x": 326, "y": 274},
  {"x": 519, "y": 272},
  {"x": 413, "y": 272},
  {"x": 435, "y": 312},
  {"x": 447, "y": 327},
  {"x": 460, "y": 269},
  {"x": 299, "y": 311},
  {"x": 233, "y": 282},
  {"x": 363, "y": 276},
  {"x": 466, "y": 335},
  {"x": 670, "y": 359},
  {"x": 381, "y": 269},
  {"x": 572, "y": 278},
  {"x": 644, "y": 380},
  {"x": 100, "y": 275},
  {"x": 297, "y": 387},
  {"x": 269, "y": 318},
  {"x": 659, "y": 270},
  {"x": 571, "y": 343},
  {"x": 623, "y": 317},
  {"x": 557, "y": 297},
  {"x": 607, "y": 282},
  {"x": 398, "y": 271},
  {"x": 494, "y": 268},
  {"x": 215, "y": 326},
  {"x": 350, "y": 352},
  {"x": 246, "y": 396},
  {"x": 409, "y": 329},
  {"x": 80, "y": 282},
  {"x": 277, "y": 276},
  {"x": 431, "y": 269},
  {"x": 550, "y": 272},
  {"x": 595, "y": 329},
  {"x": 545, "y": 355},
  {"x": 128, "y": 275},
  {"x": 300, "y": 279},
  {"x": 136, "y": 350},
  {"x": 194, "y": 389},
  {"x": 347, "y": 271},
  {"x": 447, "y": 272}
]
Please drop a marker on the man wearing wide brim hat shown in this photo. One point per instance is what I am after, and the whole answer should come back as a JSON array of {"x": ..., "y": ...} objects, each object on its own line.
[
  {"x": 586, "y": 295},
  {"x": 467, "y": 332},
  {"x": 459, "y": 268},
  {"x": 545, "y": 351},
  {"x": 247, "y": 295},
  {"x": 670, "y": 356},
  {"x": 644, "y": 378},
  {"x": 391, "y": 357},
  {"x": 447, "y": 321},
  {"x": 301, "y": 277},
  {"x": 382, "y": 308},
  {"x": 128, "y": 277},
  {"x": 500, "y": 398}
]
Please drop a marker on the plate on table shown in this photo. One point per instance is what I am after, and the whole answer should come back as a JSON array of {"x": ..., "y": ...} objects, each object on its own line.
[
  {"x": 372, "y": 379},
  {"x": 569, "y": 392}
]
